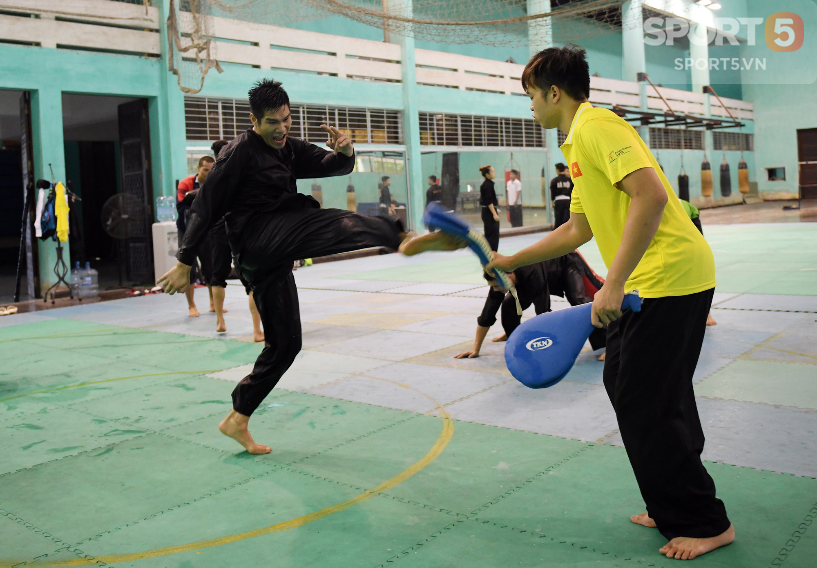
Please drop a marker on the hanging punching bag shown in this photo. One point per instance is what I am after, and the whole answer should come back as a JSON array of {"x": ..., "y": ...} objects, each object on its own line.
[
  {"x": 726, "y": 178},
  {"x": 351, "y": 200},
  {"x": 683, "y": 186},
  {"x": 706, "y": 178},
  {"x": 743, "y": 177}
]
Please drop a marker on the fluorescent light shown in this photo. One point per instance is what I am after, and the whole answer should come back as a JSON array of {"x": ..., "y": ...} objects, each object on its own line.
[
  {"x": 714, "y": 6},
  {"x": 704, "y": 2}
]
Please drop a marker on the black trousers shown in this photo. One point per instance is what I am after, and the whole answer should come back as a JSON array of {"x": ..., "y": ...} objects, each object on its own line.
[
  {"x": 651, "y": 357},
  {"x": 515, "y": 215},
  {"x": 269, "y": 245},
  {"x": 508, "y": 316},
  {"x": 491, "y": 229},
  {"x": 561, "y": 212}
]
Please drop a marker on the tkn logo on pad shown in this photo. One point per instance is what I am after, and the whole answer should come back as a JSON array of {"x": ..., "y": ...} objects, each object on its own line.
[
  {"x": 784, "y": 32},
  {"x": 539, "y": 343}
]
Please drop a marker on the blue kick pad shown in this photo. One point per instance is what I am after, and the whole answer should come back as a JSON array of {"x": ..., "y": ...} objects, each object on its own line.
[{"x": 541, "y": 351}]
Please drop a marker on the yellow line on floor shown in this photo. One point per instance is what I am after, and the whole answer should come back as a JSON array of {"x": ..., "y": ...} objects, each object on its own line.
[{"x": 443, "y": 439}]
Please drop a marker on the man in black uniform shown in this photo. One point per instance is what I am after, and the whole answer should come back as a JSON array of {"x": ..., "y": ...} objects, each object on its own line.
[
  {"x": 386, "y": 201},
  {"x": 560, "y": 189},
  {"x": 434, "y": 193},
  {"x": 561, "y": 276},
  {"x": 269, "y": 225}
]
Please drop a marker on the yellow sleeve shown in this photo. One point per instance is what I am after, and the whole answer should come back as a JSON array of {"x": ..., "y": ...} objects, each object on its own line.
[
  {"x": 576, "y": 201},
  {"x": 613, "y": 146}
]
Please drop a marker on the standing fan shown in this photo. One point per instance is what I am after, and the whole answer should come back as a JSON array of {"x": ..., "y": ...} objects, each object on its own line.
[{"x": 123, "y": 217}]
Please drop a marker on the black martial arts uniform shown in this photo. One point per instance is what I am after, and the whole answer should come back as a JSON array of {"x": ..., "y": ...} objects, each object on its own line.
[
  {"x": 531, "y": 287},
  {"x": 564, "y": 277},
  {"x": 487, "y": 196},
  {"x": 270, "y": 225},
  {"x": 560, "y": 189},
  {"x": 434, "y": 194}
]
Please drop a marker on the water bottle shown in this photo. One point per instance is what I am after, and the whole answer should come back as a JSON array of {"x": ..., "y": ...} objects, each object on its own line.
[
  {"x": 76, "y": 279},
  {"x": 165, "y": 209},
  {"x": 89, "y": 287}
]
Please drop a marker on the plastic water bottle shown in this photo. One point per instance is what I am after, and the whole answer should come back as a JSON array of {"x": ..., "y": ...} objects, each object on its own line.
[
  {"x": 76, "y": 279},
  {"x": 165, "y": 209},
  {"x": 89, "y": 286}
]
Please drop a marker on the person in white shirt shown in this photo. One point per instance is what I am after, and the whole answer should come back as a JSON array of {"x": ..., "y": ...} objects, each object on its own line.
[{"x": 514, "y": 192}]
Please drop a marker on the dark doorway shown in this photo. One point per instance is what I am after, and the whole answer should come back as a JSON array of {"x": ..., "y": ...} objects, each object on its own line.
[{"x": 807, "y": 157}]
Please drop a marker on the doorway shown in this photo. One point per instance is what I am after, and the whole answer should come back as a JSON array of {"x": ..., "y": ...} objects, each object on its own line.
[
  {"x": 807, "y": 158},
  {"x": 106, "y": 150}
]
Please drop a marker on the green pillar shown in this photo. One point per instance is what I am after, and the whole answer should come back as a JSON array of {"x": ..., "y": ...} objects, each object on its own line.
[
  {"x": 699, "y": 53},
  {"x": 634, "y": 58},
  {"x": 411, "y": 123},
  {"x": 49, "y": 148},
  {"x": 167, "y": 126},
  {"x": 540, "y": 36}
]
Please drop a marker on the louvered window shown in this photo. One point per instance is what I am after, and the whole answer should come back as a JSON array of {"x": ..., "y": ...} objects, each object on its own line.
[
  {"x": 676, "y": 139},
  {"x": 466, "y": 130},
  {"x": 734, "y": 141}
]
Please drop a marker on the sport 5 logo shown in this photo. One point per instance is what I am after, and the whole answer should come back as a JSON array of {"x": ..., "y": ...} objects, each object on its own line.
[
  {"x": 539, "y": 343},
  {"x": 784, "y": 31}
]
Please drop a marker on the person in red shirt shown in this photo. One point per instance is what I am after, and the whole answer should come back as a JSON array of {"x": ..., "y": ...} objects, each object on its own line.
[{"x": 185, "y": 194}]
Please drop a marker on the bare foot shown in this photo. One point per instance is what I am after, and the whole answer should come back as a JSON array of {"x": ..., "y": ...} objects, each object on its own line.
[
  {"x": 710, "y": 320},
  {"x": 684, "y": 548},
  {"x": 413, "y": 244},
  {"x": 235, "y": 426},
  {"x": 643, "y": 519},
  {"x": 221, "y": 326},
  {"x": 258, "y": 337},
  {"x": 498, "y": 338},
  {"x": 193, "y": 312},
  {"x": 602, "y": 357},
  {"x": 213, "y": 309}
]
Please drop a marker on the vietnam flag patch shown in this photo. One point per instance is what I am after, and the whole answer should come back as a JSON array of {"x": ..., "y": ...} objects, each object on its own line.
[{"x": 575, "y": 171}]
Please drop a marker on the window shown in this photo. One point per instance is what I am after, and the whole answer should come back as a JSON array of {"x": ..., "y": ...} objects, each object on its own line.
[
  {"x": 734, "y": 141},
  {"x": 776, "y": 174},
  {"x": 676, "y": 139},
  {"x": 467, "y": 130},
  {"x": 217, "y": 119}
]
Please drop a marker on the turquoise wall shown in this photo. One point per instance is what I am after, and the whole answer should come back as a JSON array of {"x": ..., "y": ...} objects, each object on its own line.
[{"x": 781, "y": 106}]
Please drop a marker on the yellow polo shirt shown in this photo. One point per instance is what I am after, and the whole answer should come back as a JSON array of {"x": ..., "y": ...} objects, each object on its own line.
[{"x": 602, "y": 149}]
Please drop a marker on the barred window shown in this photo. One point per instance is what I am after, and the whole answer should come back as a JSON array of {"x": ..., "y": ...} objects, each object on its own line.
[
  {"x": 734, "y": 141},
  {"x": 216, "y": 119},
  {"x": 676, "y": 139},
  {"x": 561, "y": 136},
  {"x": 469, "y": 131}
]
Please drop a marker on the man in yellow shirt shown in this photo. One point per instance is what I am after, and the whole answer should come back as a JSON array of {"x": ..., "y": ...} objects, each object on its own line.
[{"x": 649, "y": 244}]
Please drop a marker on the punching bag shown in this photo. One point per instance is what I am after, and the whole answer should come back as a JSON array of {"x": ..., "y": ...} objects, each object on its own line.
[
  {"x": 726, "y": 179},
  {"x": 743, "y": 177},
  {"x": 351, "y": 200},
  {"x": 706, "y": 178},
  {"x": 683, "y": 186}
]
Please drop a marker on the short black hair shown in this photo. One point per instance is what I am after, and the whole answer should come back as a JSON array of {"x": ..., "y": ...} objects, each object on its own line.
[
  {"x": 384, "y": 179},
  {"x": 560, "y": 167},
  {"x": 489, "y": 277},
  {"x": 432, "y": 178},
  {"x": 217, "y": 146},
  {"x": 566, "y": 67},
  {"x": 515, "y": 172},
  {"x": 267, "y": 95},
  {"x": 205, "y": 160}
]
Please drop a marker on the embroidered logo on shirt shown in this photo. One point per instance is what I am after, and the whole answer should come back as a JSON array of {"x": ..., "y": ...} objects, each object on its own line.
[
  {"x": 575, "y": 171},
  {"x": 616, "y": 154}
]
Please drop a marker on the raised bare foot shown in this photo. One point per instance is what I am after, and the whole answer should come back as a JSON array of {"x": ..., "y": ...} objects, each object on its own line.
[
  {"x": 413, "y": 244},
  {"x": 710, "y": 320},
  {"x": 221, "y": 325},
  {"x": 193, "y": 312},
  {"x": 684, "y": 548},
  {"x": 235, "y": 426},
  {"x": 602, "y": 357},
  {"x": 643, "y": 519},
  {"x": 213, "y": 309},
  {"x": 258, "y": 337},
  {"x": 498, "y": 338}
]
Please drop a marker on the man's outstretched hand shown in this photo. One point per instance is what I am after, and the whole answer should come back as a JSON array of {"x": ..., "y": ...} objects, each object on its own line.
[
  {"x": 338, "y": 141},
  {"x": 177, "y": 279}
]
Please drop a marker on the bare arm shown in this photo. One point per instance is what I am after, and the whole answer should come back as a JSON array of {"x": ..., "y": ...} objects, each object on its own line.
[
  {"x": 478, "y": 340},
  {"x": 563, "y": 240},
  {"x": 646, "y": 209}
]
